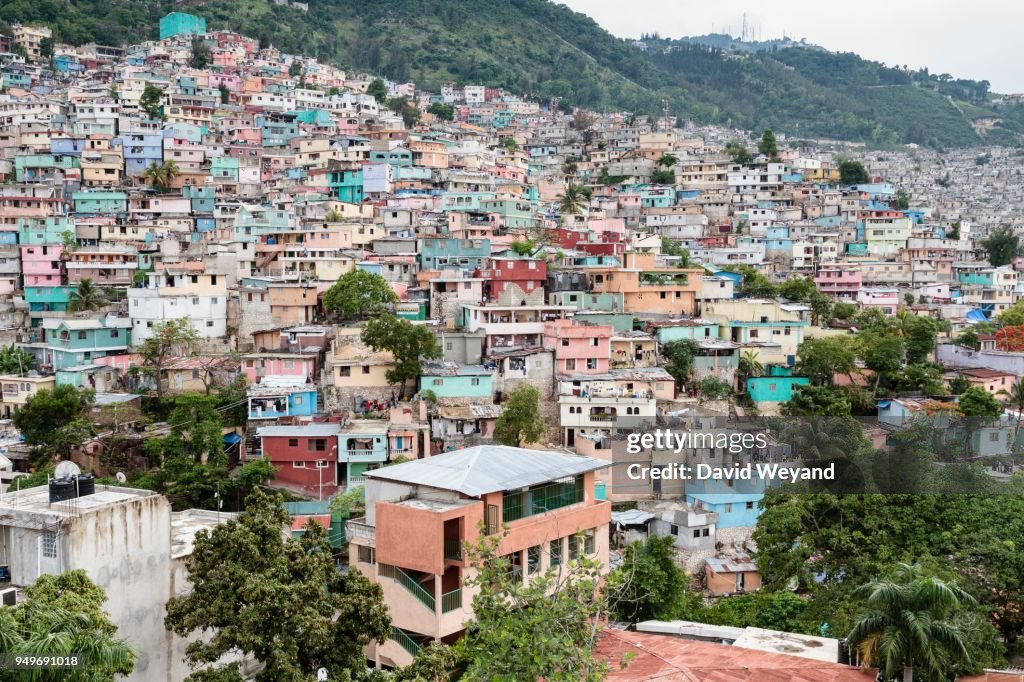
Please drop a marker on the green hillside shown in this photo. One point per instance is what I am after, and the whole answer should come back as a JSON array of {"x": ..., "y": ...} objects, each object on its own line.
[{"x": 543, "y": 50}]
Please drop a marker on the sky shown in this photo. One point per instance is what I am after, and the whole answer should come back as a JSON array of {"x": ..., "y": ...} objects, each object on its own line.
[{"x": 977, "y": 39}]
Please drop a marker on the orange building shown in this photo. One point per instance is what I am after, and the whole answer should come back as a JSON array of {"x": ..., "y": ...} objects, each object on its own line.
[
  {"x": 420, "y": 514},
  {"x": 648, "y": 284}
]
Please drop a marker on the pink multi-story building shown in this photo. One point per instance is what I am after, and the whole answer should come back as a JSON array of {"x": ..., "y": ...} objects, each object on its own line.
[
  {"x": 578, "y": 348},
  {"x": 886, "y": 300},
  {"x": 840, "y": 281},
  {"x": 41, "y": 265},
  {"x": 280, "y": 363}
]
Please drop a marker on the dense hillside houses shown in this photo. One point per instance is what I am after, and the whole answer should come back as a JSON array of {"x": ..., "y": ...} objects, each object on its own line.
[{"x": 457, "y": 305}]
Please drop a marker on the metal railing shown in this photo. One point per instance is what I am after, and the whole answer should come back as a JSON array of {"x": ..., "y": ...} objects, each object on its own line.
[
  {"x": 362, "y": 454},
  {"x": 453, "y": 549},
  {"x": 409, "y": 583},
  {"x": 405, "y": 641},
  {"x": 451, "y": 601},
  {"x": 541, "y": 499},
  {"x": 358, "y": 528}
]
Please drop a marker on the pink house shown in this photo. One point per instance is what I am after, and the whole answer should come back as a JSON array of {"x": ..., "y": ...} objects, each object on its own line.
[
  {"x": 840, "y": 281},
  {"x": 258, "y": 365},
  {"x": 41, "y": 265},
  {"x": 578, "y": 349},
  {"x": 886, "y": 300}
]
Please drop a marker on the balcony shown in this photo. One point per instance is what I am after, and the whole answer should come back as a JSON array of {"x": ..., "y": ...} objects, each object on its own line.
[
  {"x": 541, "y": 499},
  {"x": 359, "y": 529},
  {"x": 453, "y": 549},
  {"x": 363, "y": 455}
]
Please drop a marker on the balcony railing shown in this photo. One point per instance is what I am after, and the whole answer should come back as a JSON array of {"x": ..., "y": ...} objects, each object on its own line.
[
  {"x": 451, "y": 601},
  {"x": 409, "y": 583},
  {"x": 602, "y": 417},
  {"x": 362, "y": 454},
  {"x": 405, "y": 641},
  {"x": 453, "y": 549},
  {"x": 358, "y": 528},
  {"x": 541, "y": 499}
]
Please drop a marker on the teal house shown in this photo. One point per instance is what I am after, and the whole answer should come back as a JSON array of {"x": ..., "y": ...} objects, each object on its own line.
[
  {"x": 36, "y": 232},
  {"x": 345, "y": 182},
  {"x": 179, "y": 23},
  {"x": 695, "y": 330},
  {"x": 224, "y": 167},
  {"x": 99, "y": 202},
  {"x": 452, "y": 380},
  {"x": 777, "y": 387},
  {"x": 582, "y": 300},
  {"x": 74, "y": 342},
  {"x": 47, "y": 299}
]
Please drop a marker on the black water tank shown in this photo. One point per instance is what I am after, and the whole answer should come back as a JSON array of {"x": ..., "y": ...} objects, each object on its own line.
[
  {"x": 62, "y": 489},
  {"x": 86, "y": 484}
]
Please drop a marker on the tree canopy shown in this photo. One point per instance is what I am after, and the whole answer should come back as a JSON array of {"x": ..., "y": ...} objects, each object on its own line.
[
  {"x": 520, "y": 422},
  {"x": 54, "y": 421},
  {"x": 853, "y": 173},
  {"x": 1002, "y": 245},
  {"x": 168, "y": 342},
  {"x": 359, "y": 294},
  {"x": 409, "y": 343},
  {"x": 280, "y": 600}
]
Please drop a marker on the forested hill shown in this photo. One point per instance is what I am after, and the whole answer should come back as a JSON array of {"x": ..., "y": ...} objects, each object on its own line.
[{"x": 540, "y": 49}]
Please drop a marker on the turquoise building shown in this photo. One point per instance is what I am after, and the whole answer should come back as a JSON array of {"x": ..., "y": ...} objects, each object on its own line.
[
  {"x": 74, "y": 342},
  {"x": 178, "y": 23},
  {"x": 464, "y": 254},
  {"x": 451, "y": 380},
  {"x": 346, "y": 183},
  {"x": 774, "y": 389},
  {"x": 695, "y": 330},
  {"x": 99, "y": 202},
  {"x": 362, "y": 446},
  {"x": 51, "y": 230}
]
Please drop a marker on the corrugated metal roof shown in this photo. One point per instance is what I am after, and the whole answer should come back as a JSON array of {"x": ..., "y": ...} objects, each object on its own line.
[
  {"x": 486, "y": 469},
  {"x": 306, "y": 431}
]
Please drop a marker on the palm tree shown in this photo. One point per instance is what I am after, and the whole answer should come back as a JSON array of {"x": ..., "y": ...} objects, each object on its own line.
[
  {"x": 668, "y": 160},
  {"x": 86, "y": 297},
  {"x": 749, "y": 367},
  {"x": 1015, "y": 400},
  {"x": 908, "y": 623},
  {"x": 161, "y": 175},
  {"x": 574, "y": 200},
  {"x": 14, "y": 360}
]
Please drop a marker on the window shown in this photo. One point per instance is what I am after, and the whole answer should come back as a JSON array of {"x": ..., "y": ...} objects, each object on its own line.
[
  {"x": 696, "y": 533},
  {"x": 115, "y": 333},
  {"x": 674, "y": 529},
  {"x": 322, "y": 464},
  {"x": 591, "y": 363},
  {"x": 367, "y": 555},
  {"x": 570, "y": 364},
  {"x": 594, "y": 342},
  {"x": 565, "y": 342},
  {"x": 448, "y": 345},
  {"x": 706, "y": 532},
  {"x": 366, "y": 369},
  {"x": 589, "y": 542},
  {"x": 533, "y": 560},
  {"x": 195, "y": 300},
  {"x": 209, "y": 323},
  {"x": 49, "y": 541},
  {"x": 728, "y": 508},
  {"x": 289, "y": 364},
  {"x": 318, "y": 444},
  {"x": 555, "y": 550},
  {"x": 297, "y": 400},
  {"x": 293, "y": 442},
  {"x": 437, "y": 382},
  {"x": 750, "y": 505},
  {"x": 298, "y": 465},
  {"x": 344, "y": 371},
  {"x": 753, "y": 333}
]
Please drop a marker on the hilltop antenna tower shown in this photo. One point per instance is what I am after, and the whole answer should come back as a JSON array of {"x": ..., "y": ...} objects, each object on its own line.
[{"x": 666, "y": 112}]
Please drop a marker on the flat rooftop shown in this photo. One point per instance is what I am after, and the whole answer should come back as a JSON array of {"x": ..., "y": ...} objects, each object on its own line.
[
  {"x": 37, "y": 500},
  {"x": 186, "y": 524}
]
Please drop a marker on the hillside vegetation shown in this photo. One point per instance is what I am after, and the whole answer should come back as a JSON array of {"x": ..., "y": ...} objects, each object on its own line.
[{"x": 540, "y": 49}]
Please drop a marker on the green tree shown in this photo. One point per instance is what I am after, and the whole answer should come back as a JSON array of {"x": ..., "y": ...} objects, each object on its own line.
[
  {"x": 749, "y": 367},
  {"x": 768, "y": 146},
  {"x": 920, "y": 377},
  {"x": 280, "y": 600},
  {"x": 53, "y": 421},
  {"x": 798, "y": 289},
  {"x": 523, "y": 247},
  {"x": 225, "y": 94},
  {"x": 843, "y": 310},
  {"x": 909, "y": 629},
  {"x": 921, "y": 336},
  {"x": 738, "y": 152},
  {"x": 902, "y": 200},
  {"x": 445, "y": 112},
  {"x": 817, "y": 401},
  {"x": 574, "y": 200},
  {"x": 161, "y": 175},
  {"x": 754, "y": 284},
  {"x": 63, "y": 615},
  {"x": 201, "y": 54},
  {"x": 958, "y": 384},
  {"x": 773, "y": 610},
  {"x": 520, "y": 422},
  {"x": 650, "y": 585},
  {"x": 668, "y": 160},
  {"x": 977, "y": 402},
  {"x": 954, "y": 230},
  {"x": 679, "y": 357},
  {"x": 359, "y": 294},
  {"x": 821, "y": 359},
  {"x": 853, "y": 173},
  {"x": 378, "y": 90},
  {"x": 409, "y": 343},
  {"x": 544, "y": 628},
  {"x": 14, "y": 360},
  {"x": 1002, "y": 245},
  {"x": 1012, "y": 316},
  {"x": 168, "y": 342},
  {"x": 713, "y": 388},
  {"x": 295, "y": 68},
  {"x": 881, "y": 353},
  {"x": 86, "y": 296},
  {"x": 509, "y": 144},
  {"x": 151, "y": 101}
]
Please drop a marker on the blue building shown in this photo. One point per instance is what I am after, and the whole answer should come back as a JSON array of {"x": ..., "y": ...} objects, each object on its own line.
[
  {"x": 141, "y": 150},
  {"x": 179, "y": 23},
  {"x": 267, "y": 401},
  {"x": 735, "y": 502},
  {"x": 462, "y": 254}
]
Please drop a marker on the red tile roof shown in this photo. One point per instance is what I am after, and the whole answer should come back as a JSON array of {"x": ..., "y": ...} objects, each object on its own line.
[{"x": 671, "y": 659}]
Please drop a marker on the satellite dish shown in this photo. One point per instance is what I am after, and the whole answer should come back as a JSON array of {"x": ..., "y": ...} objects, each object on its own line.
[
  {"x": 121, "y": 478},
  {"x": 66, "y": 469}
]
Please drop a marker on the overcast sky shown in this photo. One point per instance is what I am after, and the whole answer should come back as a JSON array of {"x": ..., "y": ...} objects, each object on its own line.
[{"x": 979, "y": 39}]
